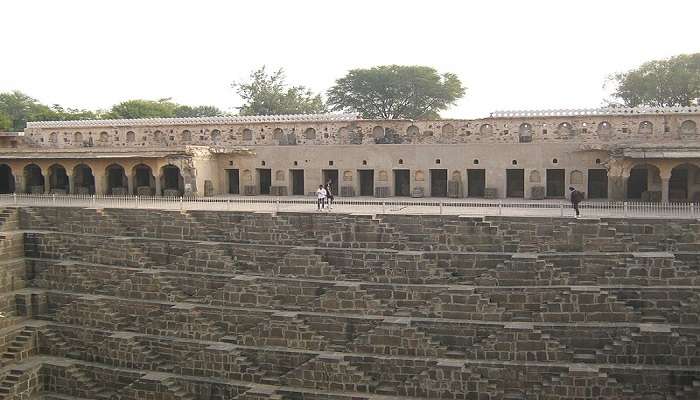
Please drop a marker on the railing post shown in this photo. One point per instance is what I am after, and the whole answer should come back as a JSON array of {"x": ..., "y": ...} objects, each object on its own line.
[
  {"x": 181, "y": 206},
  {"x": 384, "y": 207},
  {"x": 14, "y": 197},
  {"x": 500, "y": 207},
  {"x": 440, "y": 208},
  {"x": 277, "y": 205},
  {"x": 94, "y": 200},
  {"x": 53, "y": 199},
  {"x": 561, "y": 210},
  {"x": 692, "y": 210},
  {"x": 624, "y": 209}
]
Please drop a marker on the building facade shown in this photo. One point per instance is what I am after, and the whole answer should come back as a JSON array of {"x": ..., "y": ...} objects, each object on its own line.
[{"x": 650, "y": 154}]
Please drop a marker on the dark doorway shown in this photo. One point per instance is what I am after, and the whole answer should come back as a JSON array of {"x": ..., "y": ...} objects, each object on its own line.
[
  {"x": 678, "y": 184},
  {"x": 515, "y": 183},
  {"x": 438, "y": 183},
  {"x": 402, "y": 182},
  {"x": 33, "y": 179},
  {"x": 144, "y": 181},
  {"x": 83, "y": 180},
  {"x": 366, "y": 182},
  {"x": 476, "y": 182},
  {"x": 298, "y": 182},
  {"x": 7, "y": 180},
  {"x": 171, "y": 180},
  {"x": 117, "y": 182},
  {"x": 637, "y": 183},
  {"x": 58, "y": 179},
  {"x": 555, "y": 183},
  {"x": 265, "y": 180},
  {"x": 233, "y": 181},
  {"x": 331, "y": 175},
  {"x": 597, "y": 184}
]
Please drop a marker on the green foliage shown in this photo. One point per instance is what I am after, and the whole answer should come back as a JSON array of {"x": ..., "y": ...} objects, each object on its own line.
[
  {"x": 5, "y": 122},
  {"x": 268, "y": 94},
  {"x": 20, "y": 109},
  {"x": 670, "y": 82},
  {"x": 395, "y": 91},
  {"x": 163, "y": 108}
]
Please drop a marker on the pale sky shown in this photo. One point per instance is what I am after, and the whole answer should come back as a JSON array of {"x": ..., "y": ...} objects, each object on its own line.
[{"x": 509, "y": 54}]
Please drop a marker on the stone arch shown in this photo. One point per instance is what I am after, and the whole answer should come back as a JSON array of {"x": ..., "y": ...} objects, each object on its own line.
[
  {"x": 448, "y": 129},
  {"x": 78, "y": 138},
  {"x": 247, "y": 134},
  {"x": 419, "y": 176},
  {"x": 383, "y": 176},
  {"x": 689, "y": 127},
  {"x": 378, "y": 132},
  {"x": 7, "y": 179},
  {"x": 116, "y": 180},
  {"x": 344, "y": 134},
  {"x": 604, "y": 128},
  {"x": 645, "y": 128},
  {"x": 565, "y": 128},
  {"x": 278, "y": 134},
  {"x": 412, "y": 130},
  {"x": 130, "y": 137},
  {"x": 535, "y": 177},
  {"x": 186, "y": 136},
  {"x": 292, "y": 138},
  {"x": 83, "y": 179},
  {"x": 525, "y": 133},
  {"x": 576, "y": 177},
  {"x": 172, "y": 182},
  {"x": 158, "y": 136},
  {"x": 279, "y": 175},
  {"x": 456, "y": 176},
  {"x": 215, "y": 136},
  {"x": 347, "y": 176},
  {"x": 310, "y": 134},
  {"x": 143, "y": 180},
  {"x": 104, "y": 137},
  {"x": 486, "y": 129},
  {"x": 644, "y": 182},
  {"x": 684, "y": 183},
  {"x": 33, "y": 179},
  {"x": 53, "y": 137},
  {"x": 58, "y": 179}
]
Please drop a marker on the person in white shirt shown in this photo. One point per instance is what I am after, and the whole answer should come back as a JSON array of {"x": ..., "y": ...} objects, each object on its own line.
[{"x": 320, "y": 197}]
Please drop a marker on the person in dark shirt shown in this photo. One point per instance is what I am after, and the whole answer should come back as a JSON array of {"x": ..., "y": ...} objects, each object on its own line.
[{"x": 576, "y": 198}]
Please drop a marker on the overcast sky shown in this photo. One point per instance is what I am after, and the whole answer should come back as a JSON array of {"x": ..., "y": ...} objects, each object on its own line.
[{"x": 509, "y": 54}]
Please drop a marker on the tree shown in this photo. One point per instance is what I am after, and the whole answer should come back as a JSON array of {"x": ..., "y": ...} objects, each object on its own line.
[
  {"x": 395, "y": 91},
  {"x": 132, "y": 109},
  {"x": 21, "y": 108},
  {"x": 268, "y": 94},
  {"x": 658, "y": 83},
  {"x": 198, "y": 111},
  {"x": 5, "y": 122}
]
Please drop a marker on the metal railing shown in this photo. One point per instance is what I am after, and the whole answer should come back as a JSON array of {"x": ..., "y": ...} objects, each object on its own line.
[{"x": 506, "y": 207}]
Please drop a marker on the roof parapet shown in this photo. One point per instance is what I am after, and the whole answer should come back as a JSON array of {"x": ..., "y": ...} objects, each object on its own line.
[
  {"x": 194, "y": 121},
  {"x": 595, "y": 111}
]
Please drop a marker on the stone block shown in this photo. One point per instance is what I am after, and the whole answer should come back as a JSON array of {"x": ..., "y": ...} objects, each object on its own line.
[
  {"x": 537, "y": 192},
  {"x": 278, "y": 190},
  {"x": 250, "y": 190},
  {"x": 418, "y": 192},
  {"x": 490, "y": 193},
  {"x": 381, "y": 191},
  {"x": 347, "y": 191}
]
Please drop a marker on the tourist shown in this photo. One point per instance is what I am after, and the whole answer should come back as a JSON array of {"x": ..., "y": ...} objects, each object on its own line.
[
  {"x": 320, "y": 197},
  {"x": 576, "y": 198},
  {"x": 329, "y": 195}
]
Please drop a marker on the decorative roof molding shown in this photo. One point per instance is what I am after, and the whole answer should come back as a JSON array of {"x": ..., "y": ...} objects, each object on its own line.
[
  {"x": 194, "y": 121},
  {"x": 595, "y": 111}
]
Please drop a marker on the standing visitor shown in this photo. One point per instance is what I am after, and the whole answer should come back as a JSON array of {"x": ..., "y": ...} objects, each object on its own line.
[
  {"x": 320, "y": 197},
  {"x": 329, "y": 195},
  {"x": 576, "y": 198}
]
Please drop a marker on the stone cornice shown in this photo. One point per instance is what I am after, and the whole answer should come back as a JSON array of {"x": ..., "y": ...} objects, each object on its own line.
[{"x": 596, "y": 111}]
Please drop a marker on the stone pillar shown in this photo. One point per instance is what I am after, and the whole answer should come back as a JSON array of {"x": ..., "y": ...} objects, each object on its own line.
[
  {"x": 664, "y": 188},
  {"x": 130, "y": 185},
  {"x": 158, "y": 192},
  {"x": 47, "y": 180},
  {"x": 99, "y": 183},
  {"x": 71, "y": 184},
  {"x": 617, "y": 187}
]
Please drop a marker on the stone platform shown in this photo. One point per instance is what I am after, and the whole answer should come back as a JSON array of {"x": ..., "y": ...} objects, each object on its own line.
[{"x": 165, "y": 305}]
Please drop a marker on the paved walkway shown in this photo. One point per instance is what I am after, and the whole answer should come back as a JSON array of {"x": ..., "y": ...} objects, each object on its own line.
[{"x": 370, "y": 205}]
